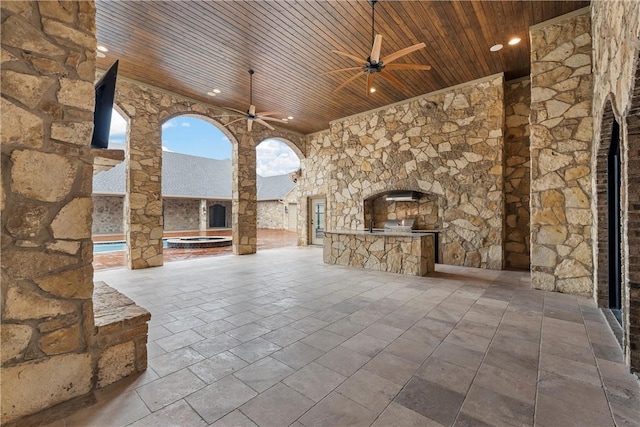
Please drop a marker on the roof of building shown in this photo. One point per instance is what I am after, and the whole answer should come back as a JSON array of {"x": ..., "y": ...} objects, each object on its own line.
[{"x": 187, "y": 176}]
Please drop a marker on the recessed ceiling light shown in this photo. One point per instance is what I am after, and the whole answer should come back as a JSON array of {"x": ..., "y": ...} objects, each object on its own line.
[
  {"x": 496, "y": 47},
  {"x": 216, "y": 91},
  {"x": 373, "y": 89},
  {"x": 211, "y": 94},
  {"x": 102, "y": 49},
  {"x": 290, "y": 118},
  {"x": 514, "y": 40},
  {"x": 100, "y": 55}
]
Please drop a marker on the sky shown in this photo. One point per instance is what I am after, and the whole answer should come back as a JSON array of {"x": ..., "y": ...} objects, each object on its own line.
[{"x": 196, "y": 137}]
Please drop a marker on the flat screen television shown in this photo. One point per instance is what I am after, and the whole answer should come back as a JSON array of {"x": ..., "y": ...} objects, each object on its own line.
[{"x": 105, "y": 92}]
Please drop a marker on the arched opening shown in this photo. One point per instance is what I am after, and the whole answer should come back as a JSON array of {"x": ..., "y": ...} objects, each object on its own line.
[
  {"x": 196, "y": 177},
  {"x": 277, "y": 160},
  {"x": 108, "y": 201}
]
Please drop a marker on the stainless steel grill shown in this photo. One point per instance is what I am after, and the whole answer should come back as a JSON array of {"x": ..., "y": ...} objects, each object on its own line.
[{"x": 399, "y": 225}]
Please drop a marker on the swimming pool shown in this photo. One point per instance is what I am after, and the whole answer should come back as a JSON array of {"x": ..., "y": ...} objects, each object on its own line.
[{"x": 120, "y": 245}]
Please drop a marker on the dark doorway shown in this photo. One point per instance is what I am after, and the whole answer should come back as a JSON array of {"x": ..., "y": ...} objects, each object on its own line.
[
  {"x": 217, "y": 216},
  {"x": 614, "y": 232}
]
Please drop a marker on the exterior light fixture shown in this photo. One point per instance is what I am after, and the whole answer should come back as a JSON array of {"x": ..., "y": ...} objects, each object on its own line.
[
  {"x": 496, "y": 47},
  {"x": 211, "y": 93},
  {"x": 102, "y": 49},
  {"x": 100, "y": 55},
  {"x": 514, "y": 41},
  {"x": 216, "y": 91},
  {"x": 373, "y": 89},
  {"x": 290, "y": 118}
]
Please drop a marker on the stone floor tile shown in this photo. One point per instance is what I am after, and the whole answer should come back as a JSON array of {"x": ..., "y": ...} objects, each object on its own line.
[
  {"x": 248, "y": 332},
  {"x": 284, "y": 336},
  {"x": 297, "y": 355},
  {"x": 278, "y": 406},
  {"x": 212, "y": 369},
  {"x": 345, "y": 327},
  {"x": 391, "y": 367},
  {"x": 174, "y": 361},
  {"x": 343, "y": 360},
  {"x": 338, "y": 410},
  {"x": 383, "y": 332},
  {"x": 297, "y": 313},
  {"x": 457, "y": 355},
  {"x": 218, "y": 344},
  {"x": 154, "y": 350},
  {"x": 585, "y": 372},
  {"x": 514, "y": 384},
  {"x": 324, "y": 340},
  {"x": 234, "y": 419},
  {"x": 567, "y": 351},
  {"x": 186, "y": 312},
  {"x": 166, "y": 390},
  {"x": 625, "y": 415},
  {"x": 430, "y": 400},
  {"x": 179, "y": 340},
  {"x": 398, "y": 415},
  {"x": 504, "y": 358},
  {"x": 243, "y": 318},
  {"x": 275, "y": 321},
  {"x": 212, "y": 316},
  {"x": 410, "y": 350},
  {"x": 447, "y": 375},
  {"x": 366, "y": 317},
  {"x": 157, "y": 332},
  {"x": 309, "y": 325},
  {"x": 118, "y": 410},
  {"x": 218, "y": 399},
  {"x": 471, "y": 341},
  {"x": 612, "y": 353},
  {"x": 183, "y": 324},
  {"x": 314, "y": 381},
  {"x": 214, "y": 328},
  {"x": 263, "y": 374},
  {"x": 365, "y": 344},
  {"x": 475, "y": 328},
  {"x": 369, "y": 390},
  {"x": 329, "y": 315},
  {"x": 553, "y": 412},
  {"x": 466, "y": 420},
  {"x": 565, "y": 389},
  {"x": 496, "y": 408},
  {"x": 255, "y": 349},
  {"x": 176, "y": 414}
]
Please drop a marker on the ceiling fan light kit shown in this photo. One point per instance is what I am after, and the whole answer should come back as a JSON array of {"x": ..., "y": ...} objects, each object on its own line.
[{"x": 376, "y": 65}]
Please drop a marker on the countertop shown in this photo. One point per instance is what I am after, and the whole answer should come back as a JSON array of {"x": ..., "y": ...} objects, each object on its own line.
[{"x": 381, "y": 232}]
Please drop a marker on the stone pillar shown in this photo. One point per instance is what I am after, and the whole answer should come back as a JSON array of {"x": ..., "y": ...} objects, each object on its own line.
[
  {"x": 244, "y": 196},
  {"x": 143, "y": 200},
  {"x": 204, "y": 218},
  {"x": 561, "y": 135},
  {"x": 48, "y": 68}
]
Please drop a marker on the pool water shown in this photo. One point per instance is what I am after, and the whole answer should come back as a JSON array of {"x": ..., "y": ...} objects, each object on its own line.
[{"x": 115, "y": 246}]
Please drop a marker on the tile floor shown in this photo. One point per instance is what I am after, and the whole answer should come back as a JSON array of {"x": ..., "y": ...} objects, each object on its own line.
[{"x": 279, "y": 338}]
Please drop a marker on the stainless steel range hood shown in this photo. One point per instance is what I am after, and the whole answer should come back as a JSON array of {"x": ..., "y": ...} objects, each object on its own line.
[{"x": 403, "y": 196}]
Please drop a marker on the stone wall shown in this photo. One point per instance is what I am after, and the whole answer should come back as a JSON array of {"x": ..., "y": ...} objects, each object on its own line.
[
  {"x": 561, "y": 134},
  {"x": 517, "y": 100},
  {"x": 181, "y": 214},
  {"x": 448, "y": 143},
  {"x": 108, "y": 214},
  {"x": 271, "y": 214},
  {"x": 616, "y": 76},
  {"x": 147, "y": 108},
  {"x": 48, "y": 66}
]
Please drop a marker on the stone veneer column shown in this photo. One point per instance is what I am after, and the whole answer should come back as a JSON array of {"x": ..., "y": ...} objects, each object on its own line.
[
  {"x": 48, "y": 68},
  {"x": 203, "y": 217},
  {"x": 244, "y": 194},
  {"x": 561, "y": 134}
]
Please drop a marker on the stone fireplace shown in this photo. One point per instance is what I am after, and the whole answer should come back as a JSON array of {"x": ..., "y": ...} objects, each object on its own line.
[{"x": 426, "y": 210}]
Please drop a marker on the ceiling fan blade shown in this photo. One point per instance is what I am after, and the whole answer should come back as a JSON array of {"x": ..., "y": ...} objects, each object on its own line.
[
  {"x": 349, "y": 80},
  {"x": 407, "y": 67},
  {"x": 375, "y": 51},
  {"x": 233, "y": 121},
  {"x": 227, "y": 115},
  {"x": 244, "y": 113},
  {"x": 402, "y": 52},
  {"x": 250, "y": 124},
  {"x": 348, "y": 55},
  {"x": 369, "y": 83},
  {"x": 271, "y": 119},
  {"x": 267, "y": 113},
  {"x": 263, "y": 123},
  {"x": 397, "y": 83},
  {"x": 340, "y": 70},
  {"x": 252, "y": 110}
]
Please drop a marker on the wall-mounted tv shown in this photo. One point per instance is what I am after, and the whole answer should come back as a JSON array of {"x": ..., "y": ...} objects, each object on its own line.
[{"x": 105, "y": 92}]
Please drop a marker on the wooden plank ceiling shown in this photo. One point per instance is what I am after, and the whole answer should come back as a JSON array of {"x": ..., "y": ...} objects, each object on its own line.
[{"x": 192, "y": 47}]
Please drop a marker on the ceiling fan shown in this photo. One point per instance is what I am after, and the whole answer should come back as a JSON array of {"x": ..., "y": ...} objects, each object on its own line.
[
  {"x": 374, "y": 64},
  {"x": 251, "y": 114}
]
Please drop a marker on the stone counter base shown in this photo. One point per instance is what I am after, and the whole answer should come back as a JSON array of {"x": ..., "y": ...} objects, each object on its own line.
[
  {"x": 120, "y": 341},
  {"x": 412, "y": 255}
]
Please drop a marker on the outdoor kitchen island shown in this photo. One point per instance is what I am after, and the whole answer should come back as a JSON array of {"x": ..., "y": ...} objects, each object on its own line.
[{"x": 409, "y": 253}]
